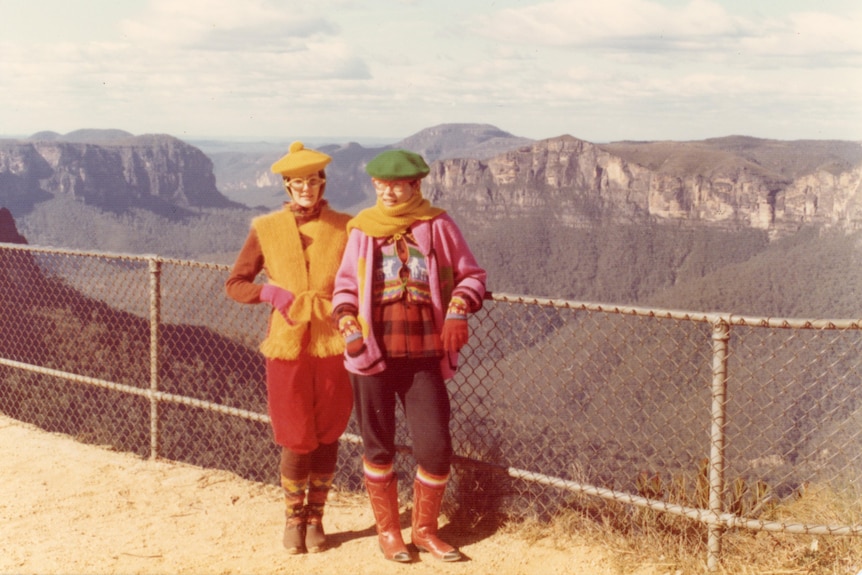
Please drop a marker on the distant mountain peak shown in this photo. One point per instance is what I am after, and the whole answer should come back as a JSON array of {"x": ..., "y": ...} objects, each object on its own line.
[
  {"x": 83, "y": 136},
  {"x": 479, "y": 130},
  {"x": 447, "y": 141}
]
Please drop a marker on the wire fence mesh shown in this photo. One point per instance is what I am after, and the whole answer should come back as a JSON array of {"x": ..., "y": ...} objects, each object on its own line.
[{"x": 553, "y": 398}]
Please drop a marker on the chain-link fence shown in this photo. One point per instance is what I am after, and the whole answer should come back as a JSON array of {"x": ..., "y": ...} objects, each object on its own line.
[{"x": 712, "y": 417}]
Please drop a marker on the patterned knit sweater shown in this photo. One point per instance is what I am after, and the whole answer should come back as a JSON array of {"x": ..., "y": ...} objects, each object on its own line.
[{"x": 452, "y": 270}]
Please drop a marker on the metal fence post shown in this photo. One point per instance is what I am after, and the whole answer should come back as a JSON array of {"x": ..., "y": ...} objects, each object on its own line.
[
  {"x": 720, "y": 337},
  {"x": 155, "y": 320}
]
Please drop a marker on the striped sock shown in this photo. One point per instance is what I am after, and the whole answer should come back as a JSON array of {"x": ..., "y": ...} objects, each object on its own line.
[
  {"x": 377, "y": 473},
  {"x": 431, "y": 480}
]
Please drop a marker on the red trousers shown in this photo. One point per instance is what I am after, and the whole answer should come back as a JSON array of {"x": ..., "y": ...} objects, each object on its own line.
[{"x": 309, "y": 401}]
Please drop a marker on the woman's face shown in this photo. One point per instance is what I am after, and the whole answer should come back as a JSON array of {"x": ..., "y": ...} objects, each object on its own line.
[
  {"x": 395, "y": 192},
  {"x": 304, "y": 191}
]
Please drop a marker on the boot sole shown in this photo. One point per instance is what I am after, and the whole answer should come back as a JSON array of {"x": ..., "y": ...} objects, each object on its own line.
[
  {"x": 399, "y": 557},
  {"x": 315, "y": 533},
  {"x": 447, "y": 557}
]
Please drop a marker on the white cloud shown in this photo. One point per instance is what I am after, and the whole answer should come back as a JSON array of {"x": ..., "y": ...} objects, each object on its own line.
[
  {"x": 371, "y": 67},
  {"x": 221, "y": 25},
  {"x": 169, "y": 22},
  {"x": 810, "y": 39},
  {"x": 642, "y": 27},
  {"x": 612, "y": 24}
]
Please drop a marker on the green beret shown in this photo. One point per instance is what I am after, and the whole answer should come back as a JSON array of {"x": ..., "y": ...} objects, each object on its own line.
[{"x": 397, "y": 165}]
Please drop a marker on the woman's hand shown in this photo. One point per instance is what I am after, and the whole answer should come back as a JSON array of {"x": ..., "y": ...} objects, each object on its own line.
[
  {"x": 349, "y": 328},
  {"x": 279, "y": 298},
  {"x": 455, "y": 334}
]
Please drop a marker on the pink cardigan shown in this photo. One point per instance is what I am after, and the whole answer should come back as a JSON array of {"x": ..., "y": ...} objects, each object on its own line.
[{"x": 452, "y": 270}]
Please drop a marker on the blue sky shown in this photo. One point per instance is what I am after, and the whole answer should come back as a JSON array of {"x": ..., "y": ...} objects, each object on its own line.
[{"x": 277, "y": 70}]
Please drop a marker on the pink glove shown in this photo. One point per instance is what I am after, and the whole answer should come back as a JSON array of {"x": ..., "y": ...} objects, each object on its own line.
[{"x": 279, "y": 298}]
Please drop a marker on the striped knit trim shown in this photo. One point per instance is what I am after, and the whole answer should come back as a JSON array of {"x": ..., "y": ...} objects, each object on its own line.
[
  {"x": 457, "y": 309},
  {"x": 431, "y": 480},
  {"x": 377, "y": 473}
]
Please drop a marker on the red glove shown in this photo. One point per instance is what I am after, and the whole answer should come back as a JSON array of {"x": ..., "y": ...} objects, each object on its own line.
[
  {"x": 455, "y": 334},
  {"x": 279, "y": 298},
  {"x": 355, "y": 346}
]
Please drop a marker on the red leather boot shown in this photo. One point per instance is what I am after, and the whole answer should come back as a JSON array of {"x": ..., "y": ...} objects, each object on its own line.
[
  {"x": 427, "y": 500},
  {"x": 384, "y": 503}
]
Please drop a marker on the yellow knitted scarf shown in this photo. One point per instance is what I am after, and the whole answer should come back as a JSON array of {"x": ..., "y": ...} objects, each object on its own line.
[{"x": 383, "y": 222}]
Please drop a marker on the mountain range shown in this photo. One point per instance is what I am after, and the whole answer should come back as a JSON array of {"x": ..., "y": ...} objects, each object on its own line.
[
  {"x": 559, "y": 217},
  {"x": 110, "y": 169},
  {"x": 737, "y": 180},
  {"x": 243, "y": 170}
]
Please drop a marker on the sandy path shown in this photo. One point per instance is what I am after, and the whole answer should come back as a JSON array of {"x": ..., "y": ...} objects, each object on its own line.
[{"x": 70, "y": 508}]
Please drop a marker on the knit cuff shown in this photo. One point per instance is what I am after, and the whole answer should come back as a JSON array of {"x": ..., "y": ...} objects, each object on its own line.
[
  {"x": 342, "y": 310},
  {"x": 349, "y": 328},
  {"x": 377, "y": 472},
  {"x": 458, "y": 308}
]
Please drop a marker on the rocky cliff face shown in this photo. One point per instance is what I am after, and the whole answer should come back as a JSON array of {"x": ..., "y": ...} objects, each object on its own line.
[
  {"x": 823, "y": 197},
  {"x": 144, "y": 171},
  {"x": 728, "y": 182},
  {"x": 576, "y": 182}
]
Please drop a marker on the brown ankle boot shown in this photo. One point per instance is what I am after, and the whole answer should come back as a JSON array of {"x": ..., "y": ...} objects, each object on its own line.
[
  {"x": 384, "y": 503},
  {"x": 294, "y": 482},
  {"x": 319, "y": 485},
  {"x": 294, "y": 526},
  {"x": 426, "y": 509},
  {"x": 294, "y": 533},
  {"x": 315, "y": 538}
]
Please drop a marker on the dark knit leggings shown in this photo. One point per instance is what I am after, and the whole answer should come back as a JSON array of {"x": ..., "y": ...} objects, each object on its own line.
[
  {"x": 298, "y": 466},
  {"x": 420, "y": 387}
]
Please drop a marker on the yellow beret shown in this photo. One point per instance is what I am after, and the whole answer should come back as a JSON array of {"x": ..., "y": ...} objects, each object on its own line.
[{"x": 300, "y": 162}]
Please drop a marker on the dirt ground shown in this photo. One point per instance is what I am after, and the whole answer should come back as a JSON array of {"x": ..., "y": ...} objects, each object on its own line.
[{"x": 67, "y": 508}]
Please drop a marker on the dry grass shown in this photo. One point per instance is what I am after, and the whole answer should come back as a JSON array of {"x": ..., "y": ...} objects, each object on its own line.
[{"x": 646, "y": 542}]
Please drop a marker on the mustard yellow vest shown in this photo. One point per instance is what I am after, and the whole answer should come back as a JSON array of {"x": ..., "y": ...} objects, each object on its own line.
[{"x": 309, "y": 275}]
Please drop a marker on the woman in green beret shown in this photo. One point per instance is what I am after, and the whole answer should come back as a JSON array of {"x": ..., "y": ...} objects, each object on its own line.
[{"x": 406, "y": 285}]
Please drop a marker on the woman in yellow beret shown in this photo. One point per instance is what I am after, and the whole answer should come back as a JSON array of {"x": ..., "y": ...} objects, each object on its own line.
[{"x": 309, "y": 397}]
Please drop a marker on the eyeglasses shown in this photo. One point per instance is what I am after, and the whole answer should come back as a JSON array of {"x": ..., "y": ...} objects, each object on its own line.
[
  {"x": 298, "y": 184},
  {"x": 397, "y": 186}
]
